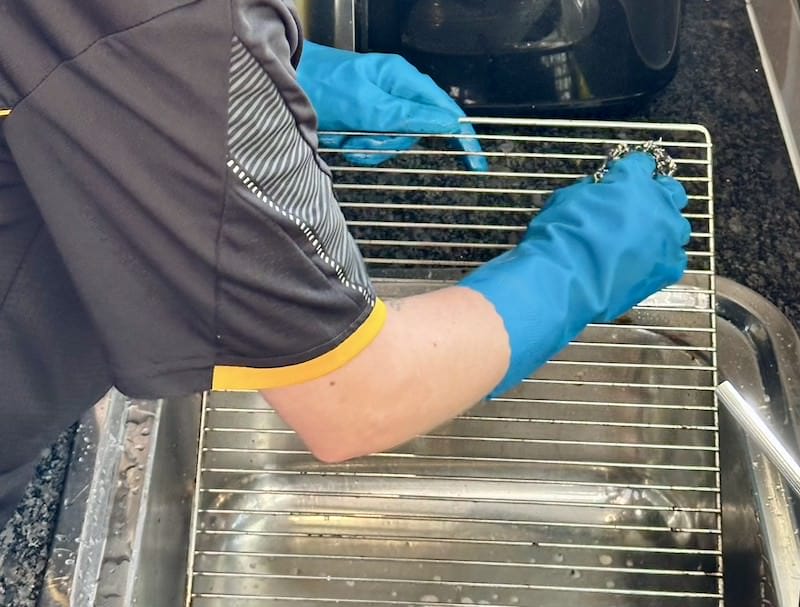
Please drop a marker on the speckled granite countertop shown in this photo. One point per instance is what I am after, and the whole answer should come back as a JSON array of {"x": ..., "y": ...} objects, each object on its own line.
[
  {"x": 25, "y": 540},
  {"x": 720, "y": 84}
]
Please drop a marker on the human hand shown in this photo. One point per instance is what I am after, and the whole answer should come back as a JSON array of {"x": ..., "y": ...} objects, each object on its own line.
[
  {"x": 376, "y": 92},
  {"x": 595, "y": 251}
]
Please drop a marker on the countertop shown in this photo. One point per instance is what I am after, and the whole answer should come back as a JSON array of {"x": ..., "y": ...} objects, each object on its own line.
[{"x": 721, "y": 84}]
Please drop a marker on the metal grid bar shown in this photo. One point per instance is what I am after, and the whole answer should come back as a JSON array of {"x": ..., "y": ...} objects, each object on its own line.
[{"x": 597, "y": 480}]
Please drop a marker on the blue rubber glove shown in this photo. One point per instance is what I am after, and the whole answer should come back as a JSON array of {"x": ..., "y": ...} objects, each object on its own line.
[
  {"x": 376, "y": 92},
  {"x": 595, "y": 251}
]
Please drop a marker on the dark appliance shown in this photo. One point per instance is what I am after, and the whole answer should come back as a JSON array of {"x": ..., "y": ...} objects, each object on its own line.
[{"x": 519, "y": 57}]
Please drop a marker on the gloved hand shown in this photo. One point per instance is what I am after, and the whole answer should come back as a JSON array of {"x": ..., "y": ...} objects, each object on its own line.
[
  {"x": 595, "y": 251},
  {"x": 376, "y": 92}
]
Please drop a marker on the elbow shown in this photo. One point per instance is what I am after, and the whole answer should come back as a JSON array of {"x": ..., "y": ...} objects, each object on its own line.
[
  {"x": 334, "y": 449},
  {"x": 331, "y": 429},
  {"x": 330, "y": 456},
  {"x": 334, "y": 455}
]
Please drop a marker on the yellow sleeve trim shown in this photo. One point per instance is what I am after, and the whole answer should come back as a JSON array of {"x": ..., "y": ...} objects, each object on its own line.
[
  {"x": 241, "y": 379},
  {"x": 4, "y": 112}
]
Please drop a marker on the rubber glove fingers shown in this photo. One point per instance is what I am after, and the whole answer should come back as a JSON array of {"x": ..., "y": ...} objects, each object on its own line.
[
  {"x": 639, "y": 164},
  {"x": 684, "y": 231},
  {"x": 676, "y": 190},
  {"x": 679, "y": 200},
  {"x": 372, "y": 150},
  {"x": 331, "y": 141},
  {"x": 633, "y": 165},
  {"x": 471, "y": 143},
  {"x": 638, "y": 167},
  {"x": 420, "y": 88},
  {"x": 366, "y": 149},
  {"x": 381, "y": 93},
  {"x": 679, "y": 266},
  {"x": 415, "y": 104}
]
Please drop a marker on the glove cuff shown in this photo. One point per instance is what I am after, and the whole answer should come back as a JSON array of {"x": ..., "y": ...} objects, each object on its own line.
[{"x": 542, "y": 304}]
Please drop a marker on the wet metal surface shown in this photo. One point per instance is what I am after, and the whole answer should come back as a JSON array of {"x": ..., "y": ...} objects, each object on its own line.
[{"x": 596, "y": 481}]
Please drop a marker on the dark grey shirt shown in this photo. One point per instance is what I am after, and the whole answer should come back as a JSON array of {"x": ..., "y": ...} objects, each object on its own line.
[{"x": 166, "y": 224}]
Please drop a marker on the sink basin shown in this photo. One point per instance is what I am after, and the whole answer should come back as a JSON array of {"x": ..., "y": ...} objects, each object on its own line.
[
  {"x": 588, "y": 481},
  {"x": 609, "y": 478},
  {"x": 539, "y": 510}
]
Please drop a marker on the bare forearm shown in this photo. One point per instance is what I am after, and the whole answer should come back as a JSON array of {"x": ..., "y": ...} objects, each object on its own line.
[{"x": 437, "y": 355}]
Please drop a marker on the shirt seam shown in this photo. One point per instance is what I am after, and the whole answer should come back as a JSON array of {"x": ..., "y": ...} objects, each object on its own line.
[
  {"x": 308, "y": 231},
  {"x": 22, "y": 261},
  {"x": 198, "y": 363},
  {"x": 166, "y": 368},
  {"x": 301, "y": 357},
  {"x": 364, "y": 302},
  {"x": 218, "y": 263},
  {"x": 91, "y": 45}
]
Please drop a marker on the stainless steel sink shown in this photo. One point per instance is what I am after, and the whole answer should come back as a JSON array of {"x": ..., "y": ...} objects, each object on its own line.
[
  {"x": 125, "y": 536},
  {"x": 605, "y": 493},
  {"x": 607, "y": 479}
]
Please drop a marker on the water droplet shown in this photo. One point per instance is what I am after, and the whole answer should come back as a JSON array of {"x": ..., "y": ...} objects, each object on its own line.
[
  {"x": 437, "y": 578},
  {"x": 558, "y": 558},
  {"x": 610, "y": 584},
  {"x": 514, "y": 600},
  {"x": 606, "y": 559},
  {"x": 575, "y": 574},
  {"x": 351, "y": 583},
  {"x": 629, "y": 563},
  {"x": 429, "y": 598}
]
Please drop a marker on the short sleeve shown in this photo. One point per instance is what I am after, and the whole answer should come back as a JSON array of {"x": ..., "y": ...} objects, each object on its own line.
[{"x": 175, "y": 165}]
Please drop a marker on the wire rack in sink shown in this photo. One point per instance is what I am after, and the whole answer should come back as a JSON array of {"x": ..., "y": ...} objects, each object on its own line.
[{"x": 595, "y": 482}]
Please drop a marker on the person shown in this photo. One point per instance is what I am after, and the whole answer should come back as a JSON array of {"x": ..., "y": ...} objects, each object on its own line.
[{"x": 168, "y": 227}]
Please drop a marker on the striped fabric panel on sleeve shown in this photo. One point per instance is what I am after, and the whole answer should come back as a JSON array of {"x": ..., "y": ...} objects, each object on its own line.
[{"x": 267, "y": 152}]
